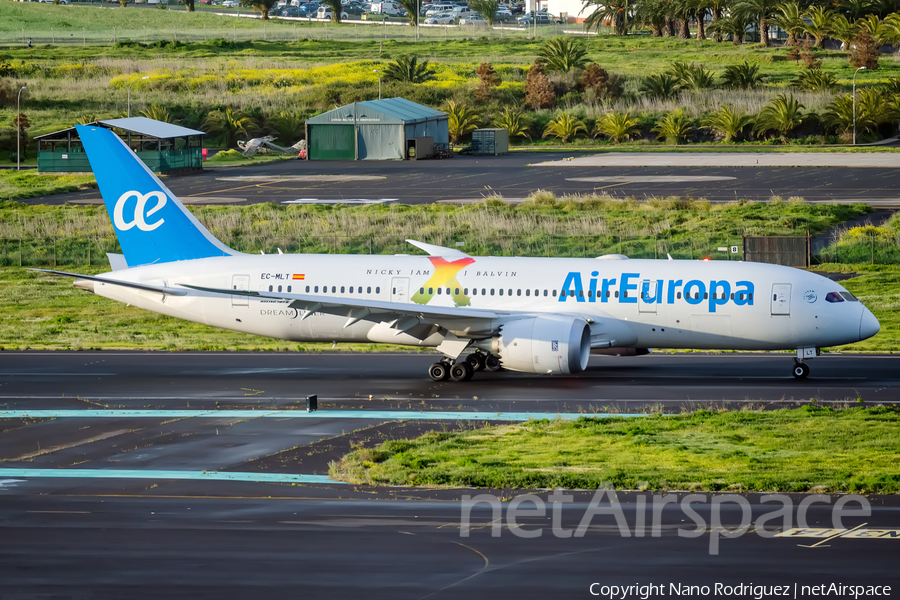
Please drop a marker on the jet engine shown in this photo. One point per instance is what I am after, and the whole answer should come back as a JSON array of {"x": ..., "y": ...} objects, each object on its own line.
[{"x": 551, "y": 344}]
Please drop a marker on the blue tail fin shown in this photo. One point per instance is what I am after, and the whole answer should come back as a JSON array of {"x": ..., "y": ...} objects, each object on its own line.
[{"x": 152, "y": 225}]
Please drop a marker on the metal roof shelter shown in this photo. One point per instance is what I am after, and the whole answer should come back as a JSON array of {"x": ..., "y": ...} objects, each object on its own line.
[
  {"x": 163, "y": 147},
  {"x": 374, "y": 130}
]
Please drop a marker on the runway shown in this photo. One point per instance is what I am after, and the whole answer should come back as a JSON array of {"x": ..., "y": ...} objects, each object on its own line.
[
  {"x": 190, "y": 520},
  {"x": 514, "y": 176}
]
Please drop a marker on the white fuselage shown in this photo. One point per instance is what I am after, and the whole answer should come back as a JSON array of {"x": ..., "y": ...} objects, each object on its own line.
[{"x": 643, "y": 303}]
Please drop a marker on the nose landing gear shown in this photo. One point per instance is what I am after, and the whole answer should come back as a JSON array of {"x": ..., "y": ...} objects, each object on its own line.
[{"x": 801, "y": 369}]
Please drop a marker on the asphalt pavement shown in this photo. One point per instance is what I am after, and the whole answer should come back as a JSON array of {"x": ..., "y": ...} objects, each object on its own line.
[
  {"x": 233, "y": 499},
  {"x": 515, "y": 176}
]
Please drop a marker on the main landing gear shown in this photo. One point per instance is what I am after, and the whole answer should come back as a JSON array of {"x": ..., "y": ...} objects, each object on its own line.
[
  {"x": 801, "y": 369},
  {"x": 463, "y": 370}
]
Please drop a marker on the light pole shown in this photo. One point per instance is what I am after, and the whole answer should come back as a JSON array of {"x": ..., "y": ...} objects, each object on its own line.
[
  {"x": 418, "y": 14},
  {"x": 129, "y": 93},
  {"x": 854, "y": 103},
  {"x": 19, "y": 128},
  {"x": 379, "y": 82}
]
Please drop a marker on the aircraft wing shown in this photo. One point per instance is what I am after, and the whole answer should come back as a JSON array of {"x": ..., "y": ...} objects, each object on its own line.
[{"x": 406, "y": 315}]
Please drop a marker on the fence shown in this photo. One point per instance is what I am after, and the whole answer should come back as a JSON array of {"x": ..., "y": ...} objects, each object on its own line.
[
  {"x": 873, "y": 249},
  {"x": 277, "y": 29},
  {"x": 26, "y": 252}
]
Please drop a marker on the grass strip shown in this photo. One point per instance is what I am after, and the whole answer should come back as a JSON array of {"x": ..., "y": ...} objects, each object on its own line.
[
  {"x": 18, "y": 185},
  {"x": 810, "y": 449}
]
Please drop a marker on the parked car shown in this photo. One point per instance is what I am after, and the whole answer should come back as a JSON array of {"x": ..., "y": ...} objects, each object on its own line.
[
  {"x": 229, "y": 4},
  {"x": 309, "y": 9},
  {"x": 445, "y": 18},
  {"x": 472, "y": 20},
  {"x": 542, "y": 19},
  {"x": 292, "y": 11},
  {"x": 324, "y": 12},
  {"x": 386, "y": 7},
  {"x": 435, "y": 9}
]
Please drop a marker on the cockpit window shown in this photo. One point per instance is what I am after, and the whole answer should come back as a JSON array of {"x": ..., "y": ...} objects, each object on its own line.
[
  {"x": 833, "y": 297},
  {"x": 849, "y": 297}
]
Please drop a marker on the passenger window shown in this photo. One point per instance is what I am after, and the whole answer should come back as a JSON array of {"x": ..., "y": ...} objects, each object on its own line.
[
  {"x": 369, "y": 290},
  {"x": 456, "y": 292},
  {"x": 624, "y": 294},
  {"x": 342, "y": 289},
  {"x": 279, "y": 288},
  {"x": 317, "y": 289},
  {"x": 518, "y": 292},
  {"x": 833, "y": 297},
  {"x": 395, "y": 291},
  {"x": 270, "y": 288},
  {"x": 554, "y": 293},
  {"x": 483, "y": 292},
  {"x": 617, "y": 293},
  {"x": 430, "y": 290},
  {"x": 448, "y": 291},
  {"x": 378, "y": 290},
  {"x": 750, "y": 296},
  {"x": 421, "y": 290},
  {"x": 571, "y": 293},
  {"x": 590, "y": 293},
  {"x": 581, "y": 293},
  {"x": 492, "y": 291},
  {"x": 510, "y": 292},
  {"x": 527, "y": 292},
  {"x": 705, "y": 296},
  {"x": 545, "y": 292},
  {"x": 465, "y": 291},
  {"x": 333, "y": 289},
  {"x": 307, "y": 289},
  {"x": 501, "y": 291},
  {"x": 439, "y": 291},
  {"x": 732, "y": 296},
  {"x": 679, "y": 295}
]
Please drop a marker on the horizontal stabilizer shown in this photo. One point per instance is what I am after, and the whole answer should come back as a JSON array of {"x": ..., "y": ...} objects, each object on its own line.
[{"x": 130, "y": 284}]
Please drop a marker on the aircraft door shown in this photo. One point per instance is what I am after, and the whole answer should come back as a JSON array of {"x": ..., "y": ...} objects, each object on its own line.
[
  {"x": 649, "y": 296},
  {"x": 781, "y": 299},
  {"x": 240, "y": 282},
  {"x": 400, "y": 289}
]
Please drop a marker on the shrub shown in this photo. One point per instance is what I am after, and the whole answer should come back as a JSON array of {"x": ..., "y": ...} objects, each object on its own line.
[
  {"x": 616, "y": 126},
  {"x": 783, "y": 115},
  {"x": 674, "y": 127},
  {"x": 409, "y": 69},
  {"x": 662, "y": 86},
  {"x": 864, "y": 51},
  {"x": 815, "y": 80},
  {"x": 743, "y": 76},
  {"x": 728, "y": 122},
  {"x": 538, "y": 90},
  {"x": 563, "y": 54},
  {"x": 565, "y": 127}
]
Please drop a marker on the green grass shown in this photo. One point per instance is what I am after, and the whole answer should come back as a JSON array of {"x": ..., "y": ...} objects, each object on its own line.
[
  {"x": 803, "y": 450},
  {"x": 233, "y": 158},
  {"x": 18, "y": 185}
]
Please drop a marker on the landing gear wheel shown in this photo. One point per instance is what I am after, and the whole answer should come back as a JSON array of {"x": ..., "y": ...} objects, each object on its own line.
[
  {"x": 801, "y": 370},
  {"x": 491, "y": 363},
  {"x": 476, "y": 361},
  {"x": 439, "y": 371},
  {"x": 461, "y": 371}
]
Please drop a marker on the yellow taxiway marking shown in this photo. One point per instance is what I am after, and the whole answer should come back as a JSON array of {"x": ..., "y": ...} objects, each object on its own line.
[
  {"x": 603, "y": 187},
  {"x": 837, "y": 535}
]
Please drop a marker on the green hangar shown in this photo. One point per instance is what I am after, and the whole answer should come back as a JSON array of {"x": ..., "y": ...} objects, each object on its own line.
[{"x": 389, "y": 129}]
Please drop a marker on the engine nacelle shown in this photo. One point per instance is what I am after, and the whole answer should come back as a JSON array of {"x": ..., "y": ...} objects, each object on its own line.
[{"x": 552, "y": 344}]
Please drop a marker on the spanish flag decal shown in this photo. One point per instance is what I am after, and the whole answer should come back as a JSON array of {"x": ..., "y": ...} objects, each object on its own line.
[{"x": 300, "y": 276}]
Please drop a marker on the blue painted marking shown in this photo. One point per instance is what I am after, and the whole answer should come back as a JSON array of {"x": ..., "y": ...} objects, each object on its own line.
[
  {"x": 151, "y": 474},
  {"x": 300, "y": 414}
]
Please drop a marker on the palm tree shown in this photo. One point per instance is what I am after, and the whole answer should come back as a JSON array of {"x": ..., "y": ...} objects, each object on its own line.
[
  {"x": 856, "y": 9},
  {"x": 872, "y": 110},
  {"x": 691, "y": 76},
  {"x": 760, "y": 11},
  {"x": 783, "y": 115},
  {"x": 663, "y": 86},
  {"x": 564, "y": 127},
  {"x": 815, "y": 80},
  {"x": 487, "y": 9},
  {"x": 876, "y": 28},
  {"x": 158, "y": 113},
  {"x": 844, "y": 30},
  {"x": 412, "y": 10},
  {"x": 228, "y": 124},
  {"x": 336, "y": 8},
  {"x": 616, "y": 126},
  {"x": 818, "y": 24},
  {"x": 734, "y": 25},
  {"x": 562, "y": 54},
  {"x": 728, "y": 122},
  {"x": 892, "y": 28},
  {"x": 717, "y": 7},
  {"x": 674, "y": 127},
  {"x": 743, "y": 76},
  {"x": 652, "y": 14},
  {"x": 409, "y": 69},
  {"x": 617, "y": 12},
  {"x": 514, "y": 122},
  {"x": 791, "y": 21},
  {"x": 290, "y": 127},
  {"x": 462, "y": 120}
]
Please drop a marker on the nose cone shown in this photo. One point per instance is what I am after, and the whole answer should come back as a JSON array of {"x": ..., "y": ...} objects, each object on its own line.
[{"x": 868, "y": 324}]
